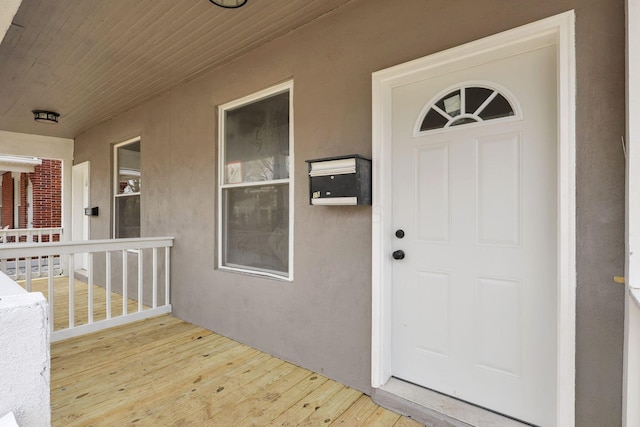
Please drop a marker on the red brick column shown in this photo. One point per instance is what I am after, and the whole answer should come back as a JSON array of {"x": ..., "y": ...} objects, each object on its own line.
[
  {"x": 47, "y": 194},
  {"x": 22, "y": 211},
  {"x": 7, "y": 200}
]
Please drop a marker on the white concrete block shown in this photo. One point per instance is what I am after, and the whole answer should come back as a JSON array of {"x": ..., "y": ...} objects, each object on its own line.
[{"x": 25, "y": 359}]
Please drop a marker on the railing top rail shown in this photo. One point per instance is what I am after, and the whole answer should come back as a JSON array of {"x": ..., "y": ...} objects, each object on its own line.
[
  {"x": 21, "y": 250},
  {"x": 30, "y": 230}
]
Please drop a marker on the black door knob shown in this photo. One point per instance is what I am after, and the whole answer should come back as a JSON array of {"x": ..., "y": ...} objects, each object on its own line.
[
  {"x": 399, "y": 234},
  {"x": 399, "y": 254}
]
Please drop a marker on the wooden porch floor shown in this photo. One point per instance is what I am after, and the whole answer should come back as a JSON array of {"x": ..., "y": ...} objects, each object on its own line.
[{"x": 167, "y": 372}]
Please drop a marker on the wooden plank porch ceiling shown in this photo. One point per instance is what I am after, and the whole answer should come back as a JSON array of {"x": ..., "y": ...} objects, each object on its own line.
[{"x": 167, "y": 372}]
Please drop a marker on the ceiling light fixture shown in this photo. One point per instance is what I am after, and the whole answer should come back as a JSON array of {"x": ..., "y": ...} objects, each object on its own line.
[
  {"x": 49, "y": 117},
  {"x": 229, "y": 4}
]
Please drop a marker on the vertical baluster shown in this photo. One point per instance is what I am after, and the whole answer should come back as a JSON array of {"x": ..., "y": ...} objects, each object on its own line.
[
  {"x": 72, "y": 290},
  {"x": 3, "y": 265},
  {"x": 107, "y": 265},
  {"x": 154, "y": 270},
  {"x": 27, "y": 272},
  {"x": 125, "y": 283},
  {"x": 167, "y": 274},
  {"x": 140, "y": 278},
  {"x": 39, "y": 258},
  {"x": 51, "y": 294},
  {"x": 90, "y": 284}
]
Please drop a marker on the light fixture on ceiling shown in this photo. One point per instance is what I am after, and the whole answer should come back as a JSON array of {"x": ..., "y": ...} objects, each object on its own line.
[
  {"x": 229, "y": 4},
  {"x": 42, "y": 116}
]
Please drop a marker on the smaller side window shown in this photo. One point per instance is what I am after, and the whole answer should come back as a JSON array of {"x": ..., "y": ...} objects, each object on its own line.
[{"x": 126, "y": 189}]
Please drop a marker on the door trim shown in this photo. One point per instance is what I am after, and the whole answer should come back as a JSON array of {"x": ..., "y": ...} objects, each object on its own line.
[
  {"x": 557, "y": 30},
  {"x": 79, "y": 221}
]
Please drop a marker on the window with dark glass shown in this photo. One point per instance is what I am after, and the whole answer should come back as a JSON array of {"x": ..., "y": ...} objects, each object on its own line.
[
  {"x": 468, "y": 104},
  {"x": 126, "y": 198},
  {"x": 255, "y": 188}
]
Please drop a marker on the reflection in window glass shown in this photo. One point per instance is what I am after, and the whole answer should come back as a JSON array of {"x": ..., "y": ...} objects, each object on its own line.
[
  {"x": 127, "y": 216},
  {"x": 255, "y": 190},
  {"x": 497, "y": 108},
  {"x": 464, "y": 106},
  {"x": 475, "y": 97},
  {"x": 433, "y": 120},
  {"x": 127, "y": 189},
  {"x": 257, "y": 141},
  {"x": 256, "y": 233}
]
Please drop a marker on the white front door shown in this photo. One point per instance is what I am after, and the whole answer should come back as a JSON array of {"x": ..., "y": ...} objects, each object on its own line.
[{"x": 474, "y": 309}]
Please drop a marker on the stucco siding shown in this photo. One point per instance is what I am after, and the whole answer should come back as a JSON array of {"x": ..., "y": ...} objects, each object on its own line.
[{"x": 321, "y": 320}]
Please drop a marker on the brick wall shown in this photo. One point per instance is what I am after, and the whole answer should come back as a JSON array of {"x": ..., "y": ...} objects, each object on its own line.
[
  {"x": 46, "y": 182},
  {"x": 22, "y": 210},
  {"x": 47, "y": 194},
  {"x": 7, "y": 200}
]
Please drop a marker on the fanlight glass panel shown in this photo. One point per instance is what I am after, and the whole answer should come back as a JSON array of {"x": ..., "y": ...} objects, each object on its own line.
[{"x": 466, "y": 105}]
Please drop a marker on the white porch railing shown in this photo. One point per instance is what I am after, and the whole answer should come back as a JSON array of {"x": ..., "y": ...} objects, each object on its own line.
[
  {"x": 30, "y": 235},
  {"x": 110, "y": 266},
  {"x": 16, "y": 268}
]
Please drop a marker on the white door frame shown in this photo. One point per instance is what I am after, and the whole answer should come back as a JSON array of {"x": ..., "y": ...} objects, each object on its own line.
[
  {"x": 631, "y": 370},
  {"x": 29, "y": 203},
  {"x": 79, "y": 201},
  {"x": 557, "y": 30}
]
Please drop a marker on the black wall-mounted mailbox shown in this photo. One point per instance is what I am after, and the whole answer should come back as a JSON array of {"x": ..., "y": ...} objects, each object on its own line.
[
  {"x": 343, "y": 180},
  {"x": 91, "y": 211}
]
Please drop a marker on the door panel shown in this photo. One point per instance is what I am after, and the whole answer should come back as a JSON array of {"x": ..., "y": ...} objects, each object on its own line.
[{"x": 474, "y": 299}]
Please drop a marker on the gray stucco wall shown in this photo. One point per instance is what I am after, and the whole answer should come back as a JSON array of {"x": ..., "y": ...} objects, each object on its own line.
[{"x": 322, "y": 320}]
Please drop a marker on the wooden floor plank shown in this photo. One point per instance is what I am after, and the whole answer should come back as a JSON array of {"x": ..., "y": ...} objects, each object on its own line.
[
  {"x": 407, "y": 422},
  {"x": 382, "y": 418},
  {"x": 166, "y": 372},
  {"x": 135, "y": 374},
  {"x": 170, "y": 398},
  {"x": 357, "y": 413},
  {"x": 302, "y": 409},
  {"x": 332, "y": 409},
  {"x": 151, "y": 393}
]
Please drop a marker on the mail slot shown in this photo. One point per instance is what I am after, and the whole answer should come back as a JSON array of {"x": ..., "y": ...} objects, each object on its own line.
[{"x": 344, "y": 180}]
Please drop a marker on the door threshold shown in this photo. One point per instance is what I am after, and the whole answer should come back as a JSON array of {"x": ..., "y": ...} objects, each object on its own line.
[
  {"x": 81, "y": 275},
  {"x": 435, "y": 409}
]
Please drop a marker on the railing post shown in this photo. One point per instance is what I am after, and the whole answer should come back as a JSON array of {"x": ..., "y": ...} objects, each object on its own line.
[
  {"x": 40, "y": 258},
  {"x": 90, "y": 285},
  {"x": 27, "y": 272},
  {"x": 72, "y": 307},
  {"x": 125, "y": 280},
  {"x": 167, "y": 274},
  {"x": 140, "y": 278},
  {"x": 154, "y": 270},
  {"x": 51, "y": 295},
  {"x": 108, "y": 280}
]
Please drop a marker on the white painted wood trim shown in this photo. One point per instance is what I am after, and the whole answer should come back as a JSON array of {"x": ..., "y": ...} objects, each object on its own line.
[
  {"x": 265, "y": 93},
  {"x": 115, "y": 177},
  {"x": 109, "y": 323},
  {"x": 13, "y": 250},
  {"x": 631, "y": 363},
  {"x": 557, "y": 30}
]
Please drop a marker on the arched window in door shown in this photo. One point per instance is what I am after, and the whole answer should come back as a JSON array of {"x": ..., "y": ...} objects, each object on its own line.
[{"x": 467, "y": 104}]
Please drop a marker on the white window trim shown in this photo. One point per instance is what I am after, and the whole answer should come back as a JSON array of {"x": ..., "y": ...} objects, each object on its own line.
[
  {"x": 557, "y": 30},
  {"x": 266, "y": 93},
  {"x": 116, "y": 183}
]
